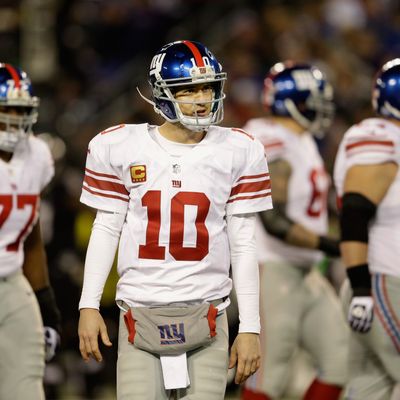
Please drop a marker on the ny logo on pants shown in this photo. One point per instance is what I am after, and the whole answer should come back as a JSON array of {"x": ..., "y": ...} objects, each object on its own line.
[{"x": 170, "y": 334}]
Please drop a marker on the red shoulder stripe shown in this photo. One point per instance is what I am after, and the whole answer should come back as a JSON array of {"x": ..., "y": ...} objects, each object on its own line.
[
  {"x": 105, "y": 194},
  {"x": 251, "y": 187},
  {"x": 370, "y": 142},
  {"x": 105, "y": 185},
  {"x": 257, "y": 196},
  {"x": 112, "y": 129},
  {"x": 101, "y": 175},
  {"x": 273, "y": 144},
  {"x": 266, "y": 175},
  {"x": 242, "y": 132}
]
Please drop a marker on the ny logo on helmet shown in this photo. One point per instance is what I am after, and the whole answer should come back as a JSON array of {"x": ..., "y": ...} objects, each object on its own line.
[
  {"x": 156, "y": 64},
  {"x": 16, "y": 92},
  {"x": 305, "y": 80}
]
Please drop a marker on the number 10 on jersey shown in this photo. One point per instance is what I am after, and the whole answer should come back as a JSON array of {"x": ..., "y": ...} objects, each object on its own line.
[{"x": 152, "y": 250}]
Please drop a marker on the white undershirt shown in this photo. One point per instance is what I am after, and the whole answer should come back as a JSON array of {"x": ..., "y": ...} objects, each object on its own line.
[
  {"x": 245, "y": 272},
  {"x": 103, "y": 244}
]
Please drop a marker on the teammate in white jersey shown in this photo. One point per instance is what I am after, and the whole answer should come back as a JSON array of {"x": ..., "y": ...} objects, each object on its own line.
[
  {"x": 299, "y": 307},
  {"x": 368, "y": 184},
  {"x": 180, "y": 199},
  {"x": 26, "y": 167}
]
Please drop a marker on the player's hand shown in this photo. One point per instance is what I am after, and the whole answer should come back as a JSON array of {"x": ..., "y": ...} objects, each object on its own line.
[
  {"x": 91, "y": 325},
  {"x": 51, "y": 341},
  {"x": 361, "y": 313},
  {"x": 246, "y": 353}
]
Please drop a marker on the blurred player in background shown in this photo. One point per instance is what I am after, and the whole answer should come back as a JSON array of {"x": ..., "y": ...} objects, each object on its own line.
[
  {"x": 298, "y": 305},
  {"x": 26, "y": 167},
  {"x": 184, "y": 195},
  {"x": 368, "y": 183}
]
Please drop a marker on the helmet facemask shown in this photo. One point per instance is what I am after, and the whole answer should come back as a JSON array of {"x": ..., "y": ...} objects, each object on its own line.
[
  {"x": 316, "y": 113},
  {"x": 14, "y": 128},
  {"x": 164, "y": 92},
  {"x": 18, "y": 107}
]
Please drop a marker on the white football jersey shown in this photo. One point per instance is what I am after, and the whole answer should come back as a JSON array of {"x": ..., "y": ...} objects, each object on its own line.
[
  {"x": 307, "y": 190},
  {"x": 21, "y": 181},
  {"x": 174, "y": 244},
  {"x": 375, "y": 141}
]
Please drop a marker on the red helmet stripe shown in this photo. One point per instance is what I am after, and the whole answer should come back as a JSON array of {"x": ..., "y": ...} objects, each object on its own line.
[
  {"x": 197, "y": 55},
  {"x": 14, "y": 74}
]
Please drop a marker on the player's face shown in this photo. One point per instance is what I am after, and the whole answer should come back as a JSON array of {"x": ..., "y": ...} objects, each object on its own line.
[
  {"x": 12, "y": 112},
  {"x": 196, "y": 100}
]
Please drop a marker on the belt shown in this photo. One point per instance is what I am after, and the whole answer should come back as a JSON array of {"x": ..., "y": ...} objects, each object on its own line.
[
  {"x": 124, "y": 306},
  {"x": 216, "y": 302}
]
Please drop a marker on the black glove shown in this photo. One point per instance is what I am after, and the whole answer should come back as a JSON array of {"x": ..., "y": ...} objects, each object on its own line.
[
  {"x": 329, "y": 246},
  {"x": 51, "y": 320}
]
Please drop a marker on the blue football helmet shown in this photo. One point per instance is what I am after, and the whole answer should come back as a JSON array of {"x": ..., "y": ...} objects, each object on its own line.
[
  {"x": 186, "y": 63},
  {"x": 386, "y": 92},
  {"x": 18, "y": 106},
  {"x": 300, "y": 91}
]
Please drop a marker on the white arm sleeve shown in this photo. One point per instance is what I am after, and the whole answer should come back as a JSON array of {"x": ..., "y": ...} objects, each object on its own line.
[
  {"x": 100, "y": 255},
  {"x": 245, "y": 272}
]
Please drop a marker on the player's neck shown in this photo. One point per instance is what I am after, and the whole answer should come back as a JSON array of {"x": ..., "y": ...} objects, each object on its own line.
[
  {"x": 180, "y": 134},
  {"x": 5, "y": 156}
]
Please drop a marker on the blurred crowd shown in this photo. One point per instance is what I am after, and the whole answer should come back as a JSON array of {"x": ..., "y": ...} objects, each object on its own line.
[{"x": 86, "y": 58}]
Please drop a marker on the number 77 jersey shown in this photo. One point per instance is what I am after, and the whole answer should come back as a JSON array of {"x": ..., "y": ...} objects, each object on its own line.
[
  {"x": 21, "y": 181},
  {"x": 174, "y": 244}
]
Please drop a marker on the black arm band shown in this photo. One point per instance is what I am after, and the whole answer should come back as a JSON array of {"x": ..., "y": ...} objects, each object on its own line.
[
  {"x": 360, "y": 280},
  {"x": 50, "y": 313},
  {"x": 329, "y": 246},
  {"x": 357, "y": 212},
  {"x": 276, "y": 223}
]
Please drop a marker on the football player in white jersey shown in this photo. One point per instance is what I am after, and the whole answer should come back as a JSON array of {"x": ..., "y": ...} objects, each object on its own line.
[
  {"x": 299, "y": 307},
  {"x": 180, "y": 199},
  {"x": 368, "y": 185},
  {"x": 26, "y": 167}
]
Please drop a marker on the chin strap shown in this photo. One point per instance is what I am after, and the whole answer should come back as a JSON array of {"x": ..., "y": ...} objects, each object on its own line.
[
  {"x": 156, "y": 109},
  {"x": 145, "y": 98}
]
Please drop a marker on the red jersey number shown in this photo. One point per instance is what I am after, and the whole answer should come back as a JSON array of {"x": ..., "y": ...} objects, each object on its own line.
[
  {"x": 152, "y": 249},
  {"x": 319, "y": 194},
  {"x": 23, "y": 200}
]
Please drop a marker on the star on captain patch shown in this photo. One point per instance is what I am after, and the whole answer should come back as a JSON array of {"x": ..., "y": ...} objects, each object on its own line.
[{"x": 176, "y": 168}]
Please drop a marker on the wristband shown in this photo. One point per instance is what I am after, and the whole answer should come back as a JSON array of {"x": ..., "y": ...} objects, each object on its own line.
[
  {"x": 329, "y": 246},
  {"x": 360, "y": 279},
  {"x": 50, "y": 313}
]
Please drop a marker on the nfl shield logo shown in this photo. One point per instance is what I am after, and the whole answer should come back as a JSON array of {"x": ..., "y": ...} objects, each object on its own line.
[{"x": 176, "y": 168}]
